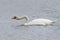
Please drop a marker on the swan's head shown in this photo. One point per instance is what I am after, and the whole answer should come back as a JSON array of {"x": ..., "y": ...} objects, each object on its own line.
[
  {"x": 16, "y": 17},
  {"x": 21, "y": 17}
]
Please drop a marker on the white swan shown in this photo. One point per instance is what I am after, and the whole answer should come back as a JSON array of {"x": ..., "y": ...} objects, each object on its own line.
[{"x": 35, "y": 21}]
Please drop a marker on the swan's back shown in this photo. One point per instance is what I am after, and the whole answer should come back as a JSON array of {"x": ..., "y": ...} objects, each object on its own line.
[{"x": 39, "y": 22}]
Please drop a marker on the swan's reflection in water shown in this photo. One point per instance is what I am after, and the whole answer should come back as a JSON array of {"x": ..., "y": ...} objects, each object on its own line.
[
  {"x": 31, "y": 26},
  {"x": 35, "y": 25}
]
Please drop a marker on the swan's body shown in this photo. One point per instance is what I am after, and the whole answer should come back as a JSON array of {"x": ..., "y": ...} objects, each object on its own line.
[
  {"x": 39, "y": 22},
  {"x": 35, "y": 21}
]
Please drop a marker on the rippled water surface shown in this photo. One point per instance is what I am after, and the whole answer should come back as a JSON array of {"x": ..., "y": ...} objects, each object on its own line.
[{"x": 11, "y": 29}]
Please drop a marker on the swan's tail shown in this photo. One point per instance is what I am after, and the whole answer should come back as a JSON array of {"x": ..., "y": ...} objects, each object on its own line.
[{"x": 55, "y": 21}]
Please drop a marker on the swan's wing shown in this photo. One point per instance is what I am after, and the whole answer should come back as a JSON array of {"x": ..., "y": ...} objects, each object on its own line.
[{"x": 36, "y": 21}]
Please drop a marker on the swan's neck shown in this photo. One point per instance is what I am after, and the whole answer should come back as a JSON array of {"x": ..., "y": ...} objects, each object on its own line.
[{"x": 26, "y": 19}]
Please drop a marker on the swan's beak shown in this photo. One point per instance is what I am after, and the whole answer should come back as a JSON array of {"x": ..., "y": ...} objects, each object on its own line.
[{"x": 14, "y": 17}]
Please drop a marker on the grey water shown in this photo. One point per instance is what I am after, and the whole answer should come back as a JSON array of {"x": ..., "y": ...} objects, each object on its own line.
[{"x": 11, "y": 29}]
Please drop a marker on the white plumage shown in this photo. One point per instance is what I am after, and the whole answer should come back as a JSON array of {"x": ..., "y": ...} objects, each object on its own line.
[
  {"x": 35, "y": 21},
  {"x": 39, "y": 22}
]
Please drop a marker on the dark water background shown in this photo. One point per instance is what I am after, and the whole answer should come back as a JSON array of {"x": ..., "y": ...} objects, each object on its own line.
[{"x": 10, "y": 29}]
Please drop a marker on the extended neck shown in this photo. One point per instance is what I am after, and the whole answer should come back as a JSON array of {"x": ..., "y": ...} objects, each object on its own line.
[{"x": 25, "y": 18}]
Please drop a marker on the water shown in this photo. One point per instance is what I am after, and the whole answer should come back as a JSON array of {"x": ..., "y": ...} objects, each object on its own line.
[{"x": 11, "y": 29}]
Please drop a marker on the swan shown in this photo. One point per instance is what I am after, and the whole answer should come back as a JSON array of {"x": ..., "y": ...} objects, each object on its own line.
[{"x": 40, "y": 21}]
